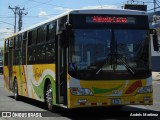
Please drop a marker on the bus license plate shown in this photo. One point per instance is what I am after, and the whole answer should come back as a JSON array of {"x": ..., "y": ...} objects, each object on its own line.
[{"x": 116, "y": 101}]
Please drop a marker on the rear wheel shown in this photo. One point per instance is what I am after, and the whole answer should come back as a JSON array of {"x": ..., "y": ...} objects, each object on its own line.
[{"x": 16, "y": 96}]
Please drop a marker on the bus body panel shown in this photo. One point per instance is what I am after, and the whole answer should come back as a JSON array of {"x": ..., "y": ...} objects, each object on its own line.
[
  {"x": 104, "y": 91},
  {"x": 31, "y": 80},
  {"x": 6, "y": 77},
  {"x": 37, "y": 76}
]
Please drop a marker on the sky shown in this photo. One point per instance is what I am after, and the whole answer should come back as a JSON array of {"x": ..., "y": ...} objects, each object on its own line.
[{"x": 41, "y": 10}]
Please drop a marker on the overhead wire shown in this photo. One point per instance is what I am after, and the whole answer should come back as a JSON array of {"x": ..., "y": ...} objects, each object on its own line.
[
  {"x": 6, "y": 23},
  {"x": 26, "y": 16},
  {"x": 46, "y": 3},
  {"x": 120, "y": 3},
  {"x": 100, "y": 3},
  {"x": 24, "y": 3}
]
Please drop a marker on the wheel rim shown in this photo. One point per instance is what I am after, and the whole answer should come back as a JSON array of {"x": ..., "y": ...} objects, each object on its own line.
[
  {"x": 49, "y": 96},
  {"x": 15, "y": 90}
]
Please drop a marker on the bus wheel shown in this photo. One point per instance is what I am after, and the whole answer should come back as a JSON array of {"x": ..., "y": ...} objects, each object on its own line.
[
  {"x": 116, "y": 108},
  {"x": 16, "y": 96},
  {"x": 49, "y": 97}
]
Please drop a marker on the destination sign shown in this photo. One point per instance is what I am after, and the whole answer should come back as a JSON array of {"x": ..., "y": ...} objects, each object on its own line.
[{"x": 110, "y": 19}]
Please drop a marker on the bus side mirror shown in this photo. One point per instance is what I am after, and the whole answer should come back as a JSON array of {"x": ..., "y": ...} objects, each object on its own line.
[
  {"x": 155, "y": 43},
  {"x": 155, "y": 39}
]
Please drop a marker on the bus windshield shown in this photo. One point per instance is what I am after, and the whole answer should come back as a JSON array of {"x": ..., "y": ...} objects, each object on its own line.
[{"x": 105, "y": 51}]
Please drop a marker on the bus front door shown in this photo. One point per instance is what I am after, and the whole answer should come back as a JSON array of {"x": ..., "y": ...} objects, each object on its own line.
[{"x": 61, "y": 71}]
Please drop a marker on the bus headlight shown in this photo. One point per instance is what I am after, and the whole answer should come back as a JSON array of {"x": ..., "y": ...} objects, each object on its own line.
[
  {"x": 146, "y": 89},
  {"x": 81, "y": 91}
]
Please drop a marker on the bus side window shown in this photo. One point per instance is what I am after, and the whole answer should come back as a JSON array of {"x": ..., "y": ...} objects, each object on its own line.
[
  {"x": 41, "y": 34},
  {"x": 40, "y": 58},
  {"x": 50, "y": 52},
  {"x": 43, "y": 53},
  {"x": 51, "y": 31},
  {"x": 61, "y": 23},
  {"x": 32, "y": 37},
  {"x": 6, "y": 46},
  {"x": 19, "y": 40},
  {"x": 16, "y": 42},
  {"x": 31, "y": 55}
]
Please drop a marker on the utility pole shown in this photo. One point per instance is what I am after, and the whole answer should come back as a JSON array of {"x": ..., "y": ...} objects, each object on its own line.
[
  {"x": 15, "y": 10},
  {"x": 18, "y": 11},
  {"x": 154, "y": 2},
  {"x": 131, "y": 1}
]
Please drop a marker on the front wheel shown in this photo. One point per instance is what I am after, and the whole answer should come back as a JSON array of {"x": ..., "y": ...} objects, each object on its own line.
[
  {"x": 49, "y": 97},
  {"x": 116, "y": 108},
  {"x": 16, "y": 96}
]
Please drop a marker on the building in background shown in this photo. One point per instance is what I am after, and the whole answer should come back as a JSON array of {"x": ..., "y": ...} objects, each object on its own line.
[{"x": 154, "y": 19}]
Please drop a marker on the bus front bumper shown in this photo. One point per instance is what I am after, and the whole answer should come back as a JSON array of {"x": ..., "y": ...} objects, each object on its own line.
[{"x": 91, "y": 101}]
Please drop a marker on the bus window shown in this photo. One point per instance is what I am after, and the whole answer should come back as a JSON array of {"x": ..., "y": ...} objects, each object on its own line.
[
  {"x": 51, "y": 31},
  {"x": 31, "y": 55},
  {"x": 6, "y": 46},
  {"x": 40, "y": 56},
  {"x": 6, "y": 59},
  {"x": 61, "y": 23},
  {"x": 50, "y": 52},
  {"x": 41, "y": 35},
  {"x": 32, "y": 36},
  {"x": 131, "y": 46},
  {"x": 19, "y": 40},
  {"x": 24, "y": 35},
  {"x": 17, "y": 57},
  {"x": 16, "y": 42},
  {"x": 86, "y": 44},
  {"x": 11, "y": 41}
]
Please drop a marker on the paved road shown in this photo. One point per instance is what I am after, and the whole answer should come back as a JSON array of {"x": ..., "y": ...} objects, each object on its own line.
[{"x": 7, "y": 103}]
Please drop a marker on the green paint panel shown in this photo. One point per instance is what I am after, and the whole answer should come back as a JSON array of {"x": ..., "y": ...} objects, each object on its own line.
[
  {"x": 100, "y": 90},
  {"x": 40, "y": 89}
]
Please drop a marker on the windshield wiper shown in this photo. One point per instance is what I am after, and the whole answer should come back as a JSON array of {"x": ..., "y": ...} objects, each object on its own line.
[
  {"x": 108, "y": 59},
  {"x": 129, "y": 68},
  {"x": 112, "y": 59}
]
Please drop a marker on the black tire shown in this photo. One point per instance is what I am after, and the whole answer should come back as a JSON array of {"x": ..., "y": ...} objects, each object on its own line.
[
  {"x": 15, "y": 90},
  {"x": 116, "y": 108},
  {"x": 49, "y": 97}
]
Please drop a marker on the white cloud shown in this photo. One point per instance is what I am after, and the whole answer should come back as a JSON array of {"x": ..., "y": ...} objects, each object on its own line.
[
  {"x": 43, "y": 13},
  {"x": 62, "y": 9},
  {"x": 4, "y": 32},
  {"x": 98, "y": 6}
]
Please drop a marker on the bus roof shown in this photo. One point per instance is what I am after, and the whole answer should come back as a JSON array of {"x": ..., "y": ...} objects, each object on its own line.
[
  {"x": 108, "y": 11},
  {"x": 86, "y": 11}
]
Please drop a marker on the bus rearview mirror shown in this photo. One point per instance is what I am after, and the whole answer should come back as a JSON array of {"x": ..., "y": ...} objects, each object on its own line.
[{"x": 155, "y": 42}]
